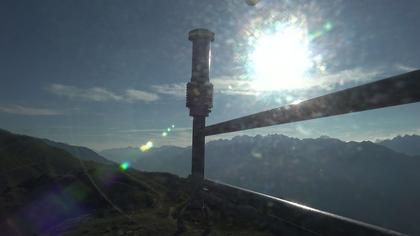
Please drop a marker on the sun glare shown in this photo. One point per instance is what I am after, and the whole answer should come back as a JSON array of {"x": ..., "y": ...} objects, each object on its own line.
[
  {"x": 281, "y": 59},
  {"x": 146, "y": 147}
]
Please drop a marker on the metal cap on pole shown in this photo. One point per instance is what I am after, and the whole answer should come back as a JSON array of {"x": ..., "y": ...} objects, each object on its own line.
[{"x": 199, "y": 96}]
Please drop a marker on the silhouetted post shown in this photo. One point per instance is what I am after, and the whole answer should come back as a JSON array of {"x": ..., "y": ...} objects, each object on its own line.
[{"x": 199, "y": 96}]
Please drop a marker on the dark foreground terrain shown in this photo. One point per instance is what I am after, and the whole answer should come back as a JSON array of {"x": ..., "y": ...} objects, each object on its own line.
[{"x": 45, "y": 190}]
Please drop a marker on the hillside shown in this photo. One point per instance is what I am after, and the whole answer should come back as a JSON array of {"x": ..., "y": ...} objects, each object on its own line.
[
  {"x": 121, "y": 154},
  {"x": 170, "y": 159},
  {"x": 361, "y": 180},
  {"x": 83, "y": 153},
  {"x": 46, "y": 191}
]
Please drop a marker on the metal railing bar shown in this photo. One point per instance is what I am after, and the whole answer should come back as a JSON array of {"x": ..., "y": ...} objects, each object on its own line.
[
  {"x": 393, "y": 91},
  {"x": 301, "y": 216}
]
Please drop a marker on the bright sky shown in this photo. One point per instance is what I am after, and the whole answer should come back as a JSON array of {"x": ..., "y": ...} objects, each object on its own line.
[{"x": 109, "y": 74}]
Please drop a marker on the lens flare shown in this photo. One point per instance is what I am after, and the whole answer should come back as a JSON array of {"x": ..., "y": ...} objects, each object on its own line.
[
  {"x": 149, "y": 145},
  {"x": 124, "y": 165},
  {"x": 146, "y": 147},
  {"x": 327, "y": 27}
]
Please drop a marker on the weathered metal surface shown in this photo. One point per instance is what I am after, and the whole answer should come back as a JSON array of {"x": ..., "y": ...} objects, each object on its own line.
[
  {"x": 200, "y": 90},
  {"x": 397, "y": 90},
  {"x": 199, "y": 96},
  {"x": 288, "y": 218},
  {"x": 198, "y": 145}
]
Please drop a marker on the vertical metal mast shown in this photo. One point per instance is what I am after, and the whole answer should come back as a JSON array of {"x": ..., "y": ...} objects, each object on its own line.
[{"x": 199, "y": 96}]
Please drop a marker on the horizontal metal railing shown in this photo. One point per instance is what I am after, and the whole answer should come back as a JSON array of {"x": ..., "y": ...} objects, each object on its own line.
[
  {"x": 295, "y": 219},
  {"x": 397, "y": 90}
]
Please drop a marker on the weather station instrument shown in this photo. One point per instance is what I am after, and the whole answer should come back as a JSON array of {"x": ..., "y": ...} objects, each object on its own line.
[{"x": 199, "y": 96}]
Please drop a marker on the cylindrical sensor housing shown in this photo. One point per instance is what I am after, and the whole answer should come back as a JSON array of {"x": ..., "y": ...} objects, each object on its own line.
[{"x": 200, "y": 90}]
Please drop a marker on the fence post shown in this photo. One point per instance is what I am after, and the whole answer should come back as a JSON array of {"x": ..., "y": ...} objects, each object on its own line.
[{"x": 199, "y": 96}]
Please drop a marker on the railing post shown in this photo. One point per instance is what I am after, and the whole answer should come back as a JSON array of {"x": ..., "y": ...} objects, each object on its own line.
[{"x": 199, "y": 96}]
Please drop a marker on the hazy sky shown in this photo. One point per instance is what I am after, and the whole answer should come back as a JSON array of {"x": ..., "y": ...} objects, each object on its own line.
[{"x": 107, "y": 74}]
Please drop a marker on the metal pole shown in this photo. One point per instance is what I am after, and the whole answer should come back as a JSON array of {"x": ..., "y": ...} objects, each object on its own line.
[
  {"x": 198, "y": 145},
  {"x": 199, "y": 96}
]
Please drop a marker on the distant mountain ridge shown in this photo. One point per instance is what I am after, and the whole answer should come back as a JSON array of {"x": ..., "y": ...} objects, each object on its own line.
[
  {"x": 170, "y": 159},
  {"x": 361, "y": 180},
  {"x": 407, "y": 144},
  {"x": 121, "y": 154},
  {"x": 354, "y": 179}
]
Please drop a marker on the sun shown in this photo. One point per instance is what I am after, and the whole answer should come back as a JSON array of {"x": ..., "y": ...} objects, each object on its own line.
[{"x": 280, "y": 60}]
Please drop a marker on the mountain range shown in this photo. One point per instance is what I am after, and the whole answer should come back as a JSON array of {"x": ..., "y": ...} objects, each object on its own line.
[
  {"x": 373, "y": 182},
  {"x": 407, "y": 144},
  {"x": 49, "y": 187}
]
